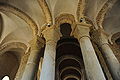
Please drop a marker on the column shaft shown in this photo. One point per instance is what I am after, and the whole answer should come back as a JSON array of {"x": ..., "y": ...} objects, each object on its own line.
[
  {"x": 31, "y": 66},
  {"x": 92, "y": 66},
  {"x": 48, "y": 66},
  {"x": 111, "y": 60},
  {"x": 113, "y": 63},
  {"x": 33, "y": 61}
]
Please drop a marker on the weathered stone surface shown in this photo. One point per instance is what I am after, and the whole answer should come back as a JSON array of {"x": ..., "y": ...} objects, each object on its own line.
[{"x": 35, "y": 23}]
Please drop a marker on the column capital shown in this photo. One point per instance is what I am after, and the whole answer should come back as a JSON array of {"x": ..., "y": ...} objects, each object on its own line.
[
  {"x": 51, "y": 34},
  {"x": 83, "y": 24},
  {"x": 82, "y": 30},
  {"x": 100, "y": 37},
  {"x": 37, "y": 43}
]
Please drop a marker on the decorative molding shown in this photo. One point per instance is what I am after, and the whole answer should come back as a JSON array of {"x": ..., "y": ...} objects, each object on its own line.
[
  {"x": 81, "y": 13},
  {"x": 99, "y": 36},
  {"x": 9, "y": 46},
  {"x": 88, "y": 21},
  {"x": 37, "y": 43},
  {"x": 51, "y": 34},
  {"x": 80, "y": 9},
  {"x": 64, "y": 18},
  {"x": 46, "y": 11},
  {"x": 9, "y": 8},
  {"x": 101, "y": 15}
]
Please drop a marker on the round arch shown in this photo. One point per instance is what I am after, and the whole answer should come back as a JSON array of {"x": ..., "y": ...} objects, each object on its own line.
[
  {"x": 10, "y": 58},
  {"x": 102, "y": 13},
  {"x": 1, "y": 26},
  {"x": 65, "y": 18},
  {"x": 13, "y": 46},
  {"x": 9, "y": 8}
]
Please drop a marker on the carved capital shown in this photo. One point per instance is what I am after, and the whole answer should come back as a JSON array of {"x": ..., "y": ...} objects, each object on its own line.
[
  {"x": 51, "y": 34},
  {"x": 100, "y": 37},
  {"x": 82, "y": 30},
  {"x": 37, "y": 43}
]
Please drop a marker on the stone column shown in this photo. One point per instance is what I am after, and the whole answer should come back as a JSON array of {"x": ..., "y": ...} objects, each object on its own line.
[
  {"x": 92, "y": 66},
  {"x": 48, "y": 66},
  {"x": 33, "y": 60},
  {"x": 40, "y": 68},
  {"x": 111, "y": 60}
]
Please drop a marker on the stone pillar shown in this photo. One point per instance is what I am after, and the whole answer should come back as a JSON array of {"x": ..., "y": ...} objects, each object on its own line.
[
  {"x": 111, "y": 60},
  {"x": 92, "y": 66},
  {"x": 33, "y": 60},
  {"x": 40, "y": 68},
  {"x": 48, "y": 66}
]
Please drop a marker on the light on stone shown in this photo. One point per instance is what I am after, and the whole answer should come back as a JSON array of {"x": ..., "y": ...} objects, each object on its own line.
[{"x": 6, "y": 78}]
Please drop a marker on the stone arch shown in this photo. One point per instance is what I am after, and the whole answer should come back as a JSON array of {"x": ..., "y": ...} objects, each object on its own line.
[
  {"x": 1, "y": 26},
  {"x": 12, "y": 46},
  {"x": 9, "y": 8},
  {"x": 10, "y": 58},
  {"x": 115, "y": 37},
  {"x": 102, "y": 13},
  {"x": 8, "y": 64},
  {"x": 65, "y": 18},
  {"x": 46, "y": 12}
]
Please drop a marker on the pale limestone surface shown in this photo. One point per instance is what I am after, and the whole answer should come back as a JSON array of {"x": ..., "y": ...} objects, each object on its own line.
[{"x": 22, "y": 20}]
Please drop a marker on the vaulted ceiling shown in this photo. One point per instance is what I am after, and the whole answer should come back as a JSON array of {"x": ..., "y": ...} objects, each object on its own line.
[{"x": 21, "y": 17}]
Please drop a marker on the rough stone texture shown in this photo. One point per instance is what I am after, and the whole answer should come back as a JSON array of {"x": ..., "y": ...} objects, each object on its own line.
[
  {"x": 22, "y": 66},
  {"x": 26, "y": 20},
  {"x": 102, "y": 61}
]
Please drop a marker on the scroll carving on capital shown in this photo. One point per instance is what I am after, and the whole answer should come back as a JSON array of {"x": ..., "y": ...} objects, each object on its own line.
[
  {"x": 51, "y": 34},
  {"x": 99, "y": 37},
  {"x": 37, "y": 43}
]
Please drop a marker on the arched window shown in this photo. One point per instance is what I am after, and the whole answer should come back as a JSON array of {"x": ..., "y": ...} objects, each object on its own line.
[{"x": 6, "y": 78}]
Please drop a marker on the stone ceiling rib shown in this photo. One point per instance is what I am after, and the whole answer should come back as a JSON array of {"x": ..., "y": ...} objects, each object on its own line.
[
  {"x": 101, "y": 15},
  {"x": 46, "y": 11},
  {"x": 21, "y": 14},
  {"x": 80, "y": 9}
]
